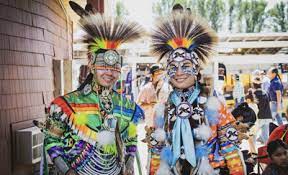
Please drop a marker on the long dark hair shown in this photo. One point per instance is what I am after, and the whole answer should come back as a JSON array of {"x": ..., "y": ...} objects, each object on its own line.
[
  {"x": 250, "y": 95},
  {"x": 88, "y": 80},
  {"x": 275, "y": 70},
  {"x": 244, "y": 110}
]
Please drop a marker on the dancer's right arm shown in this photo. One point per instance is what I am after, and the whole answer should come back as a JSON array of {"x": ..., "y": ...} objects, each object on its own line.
[{"x": 56, "y": 126}]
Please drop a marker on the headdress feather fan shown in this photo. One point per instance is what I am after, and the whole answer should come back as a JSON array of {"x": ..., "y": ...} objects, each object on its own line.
[
  {"x": 108, "y": 33},
  {"x": 183, "y": 30}
]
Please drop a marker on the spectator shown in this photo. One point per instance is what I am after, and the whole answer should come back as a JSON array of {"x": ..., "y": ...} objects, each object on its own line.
[
  {"x": 220, "y": 83},
  {"x": 244, "y": 114},
  {"x": 238, "y": 91},
  {"x": 265, "y": 81},
  {"x": 252, "y": 101},
  {"x": 264, "y": 116},
  {"x": 277, "y": 151},
  {"x": 275, "y": 94},
  {"x": 245, "y": 117},
  {"x": 148, "y": 95},
  {"x": 145, "y": 79}
]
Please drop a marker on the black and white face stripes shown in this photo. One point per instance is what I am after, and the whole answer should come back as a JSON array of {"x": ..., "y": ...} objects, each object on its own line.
[{"x": 180, "y": 59}]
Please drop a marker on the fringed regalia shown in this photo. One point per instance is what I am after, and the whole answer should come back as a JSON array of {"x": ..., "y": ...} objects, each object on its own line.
[
  {"x": 93, "y": 130},
  {"x": 198, "y": 130}
]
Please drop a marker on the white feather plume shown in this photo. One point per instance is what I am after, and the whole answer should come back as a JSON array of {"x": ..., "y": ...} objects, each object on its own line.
[
  {"x": 204, "y": 132},
  {"x": 205, "y": 168},
  {"x": 213, "y": 103},
  {"x": 105, "y": 138}
]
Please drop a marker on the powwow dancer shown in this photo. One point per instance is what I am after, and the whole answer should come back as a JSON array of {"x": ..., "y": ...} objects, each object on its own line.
[
  {"x": 194, "y": 126},
  {"x": 93, "y": 130}
]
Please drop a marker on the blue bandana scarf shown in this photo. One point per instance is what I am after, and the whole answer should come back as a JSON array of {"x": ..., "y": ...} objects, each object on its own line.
[{"x": 183, "y": 129}]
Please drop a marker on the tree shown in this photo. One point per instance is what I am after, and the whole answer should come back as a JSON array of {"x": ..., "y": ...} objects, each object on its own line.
[
  {"x": 239, "y": 16},
  {"x": 163, "y": 7},
  {"x": 253, "y": 13},
  {"x": 231, "y": 13},
  {"x": 202, "y": 8},
  {"x": 215, "y": 10},
  {"x": 279, "y": 17},
  {"x": 121, "y": 11},
  {"x": 212, "y": 10}
]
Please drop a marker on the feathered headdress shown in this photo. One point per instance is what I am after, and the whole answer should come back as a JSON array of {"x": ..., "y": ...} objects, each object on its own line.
[
  {"x": 186, "y": 31},
  {"x": 104, "y": 35},
  {"x": 108, "y": 33}
]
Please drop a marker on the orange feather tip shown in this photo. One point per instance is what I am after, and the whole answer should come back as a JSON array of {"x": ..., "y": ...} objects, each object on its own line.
[
  {"x": 112, "y": 44},
  {"x": 179, "y": 42}
]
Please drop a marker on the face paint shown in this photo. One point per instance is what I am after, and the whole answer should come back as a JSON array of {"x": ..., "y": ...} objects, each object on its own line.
[
  {"x": 185, "y": 66},
  {"x": 178, "y": 55},
  {"x": 181, "y": 54},
  {"x": 181, "y": 59}
]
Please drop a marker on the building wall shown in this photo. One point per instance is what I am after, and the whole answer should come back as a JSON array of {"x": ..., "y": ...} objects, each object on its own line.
[{"x": 33, "y": 33}]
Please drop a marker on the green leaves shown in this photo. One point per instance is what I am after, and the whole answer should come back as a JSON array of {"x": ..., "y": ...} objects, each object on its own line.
[
  {"x": 215, "y": 13},
  {"x": 233, "y": 15},
  {"x": 163, "y": 7},
  {"x": 121, "y": 11},
  {"x": 279, "y": 17},
  {"x": 253, "y": 15},
  {"x": 212, "y": 10}
]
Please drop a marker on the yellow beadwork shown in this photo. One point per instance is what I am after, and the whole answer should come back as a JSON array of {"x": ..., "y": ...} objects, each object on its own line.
[{"x": 132, "y": 130}]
